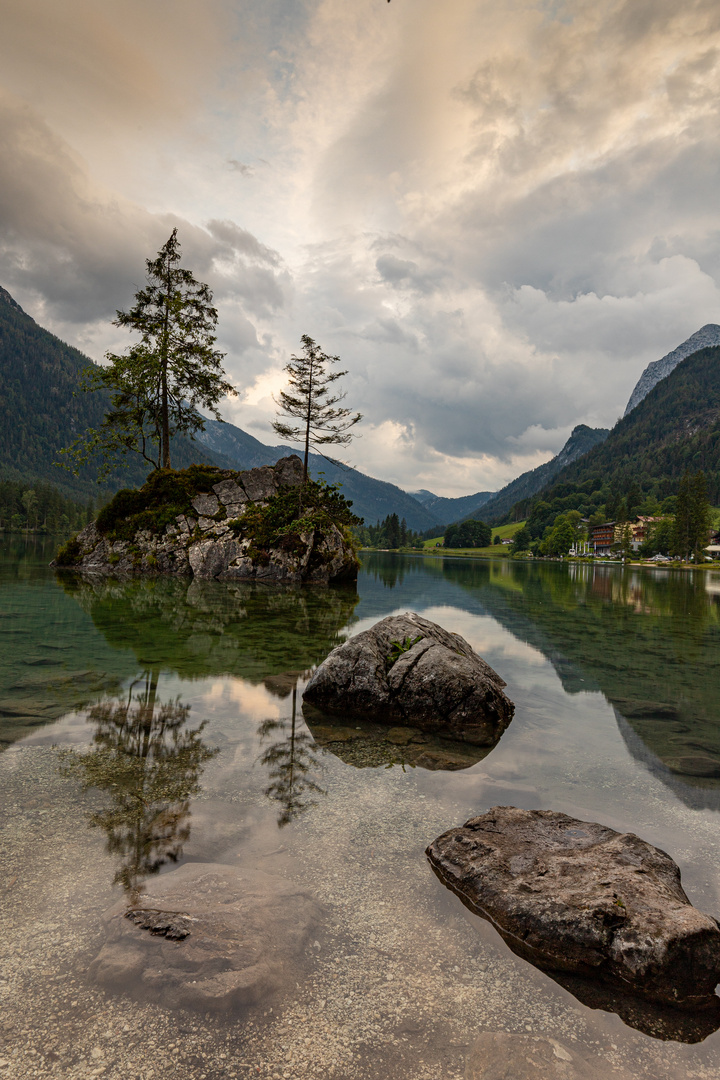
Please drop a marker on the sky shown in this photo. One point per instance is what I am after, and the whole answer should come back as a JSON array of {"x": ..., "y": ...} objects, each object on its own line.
[{"x": 496, "y": 213}]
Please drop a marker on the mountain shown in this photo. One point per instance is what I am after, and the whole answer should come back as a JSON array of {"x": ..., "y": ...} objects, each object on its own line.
[
  {"x": 706, "y": 337},
  {"x": 40, "y": 411},
  {"x": 447, "y": 510},
  {"x": 581, "y": 441},
  {"x": 372, "y": 499},
  {"x": 675, "y": 427}
]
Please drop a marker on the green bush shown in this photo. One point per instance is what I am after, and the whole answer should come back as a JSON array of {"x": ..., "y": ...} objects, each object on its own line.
[
  {"x": 70, "y": 553},
  {"x": 165, "y": 494},
  {"x": 291, "y": 514}
]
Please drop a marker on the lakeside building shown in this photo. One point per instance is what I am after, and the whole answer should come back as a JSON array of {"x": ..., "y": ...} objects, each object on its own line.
[
  {"x": 604, "y": 537},
  {"x": 608, "y": 536}
]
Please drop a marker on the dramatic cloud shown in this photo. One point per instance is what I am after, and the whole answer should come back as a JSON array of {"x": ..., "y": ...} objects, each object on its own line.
[{"x": 496, "y": 212}]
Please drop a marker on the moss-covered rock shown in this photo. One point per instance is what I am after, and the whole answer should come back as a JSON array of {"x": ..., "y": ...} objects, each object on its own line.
[{"x": 214, "y": 523}]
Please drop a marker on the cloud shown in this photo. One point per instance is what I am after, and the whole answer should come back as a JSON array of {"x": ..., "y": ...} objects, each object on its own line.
[
  {"x": 73, "y": 252},
  {"x": 496, "y": 211}
]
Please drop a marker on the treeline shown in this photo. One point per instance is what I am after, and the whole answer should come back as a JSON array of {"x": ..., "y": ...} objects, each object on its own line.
[
  {"x": 596, "y": 500},
  {"x": 468, "y": 534},
  {"x": 389, "y": 533},
  {"x": 40, "y": 508}
]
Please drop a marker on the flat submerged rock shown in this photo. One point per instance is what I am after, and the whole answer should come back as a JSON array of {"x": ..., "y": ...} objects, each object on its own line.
[
  {"x": 208, "y": 936},
  {"x": 497, "y": 1055},
  {"x": 408, "y": 670},
  {"x": 575, "y": 896}
]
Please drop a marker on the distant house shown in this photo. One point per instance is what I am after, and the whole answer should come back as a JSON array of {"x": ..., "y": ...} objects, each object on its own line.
[
  {"x": 506, "y": 540},
  {"x": 602, "y": 537},
  {"x": 640, "y": 530}
]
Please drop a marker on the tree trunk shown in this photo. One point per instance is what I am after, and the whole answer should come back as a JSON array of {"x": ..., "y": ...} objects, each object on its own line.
[
  {"x": 307, "y": 428},
  {"x": 164, "y": 359}
]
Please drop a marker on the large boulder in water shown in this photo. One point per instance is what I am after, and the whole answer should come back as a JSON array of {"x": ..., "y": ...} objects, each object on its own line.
[
  {"x": 408, "y": 670},
  {"x": 208, "y": 936},
  {"x": 575, "y": 896}
]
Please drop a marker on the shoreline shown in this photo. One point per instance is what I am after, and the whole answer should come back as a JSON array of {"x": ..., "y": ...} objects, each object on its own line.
[{"x": 582, "y": 561}]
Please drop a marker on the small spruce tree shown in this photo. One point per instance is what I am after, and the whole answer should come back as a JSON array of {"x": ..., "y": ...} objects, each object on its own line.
[{"x": 322, "y": 420}]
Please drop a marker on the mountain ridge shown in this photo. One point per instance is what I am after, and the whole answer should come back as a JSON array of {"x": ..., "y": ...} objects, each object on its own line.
[
  {"x": 707, "y": 336},
  {"x": 41, "y": 412},
  {"x": 582, "y": 440},
  {"x": 676, "y": 427}
]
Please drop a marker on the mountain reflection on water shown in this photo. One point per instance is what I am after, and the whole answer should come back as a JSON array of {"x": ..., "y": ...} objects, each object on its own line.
[{"x": 646, "y": 638}]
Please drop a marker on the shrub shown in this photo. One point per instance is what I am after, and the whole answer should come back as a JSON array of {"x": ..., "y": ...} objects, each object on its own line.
[
  {"x": 165, "y": 494},
  {"x": 70, "y": 553},
  {"x": 291, "y": 514}
]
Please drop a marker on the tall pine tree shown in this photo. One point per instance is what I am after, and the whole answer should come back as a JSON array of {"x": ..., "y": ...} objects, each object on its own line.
[{"x": 157, "y": 385}]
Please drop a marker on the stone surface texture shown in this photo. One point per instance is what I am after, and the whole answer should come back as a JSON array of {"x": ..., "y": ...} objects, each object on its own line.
[
  {"x": 438, "y": 684},
  {"x": 246, "y": 932},
  {"x": 207, "y": 548},
  {"x": 576, "y": 896},
  {"x": 497, "y": 1055}
]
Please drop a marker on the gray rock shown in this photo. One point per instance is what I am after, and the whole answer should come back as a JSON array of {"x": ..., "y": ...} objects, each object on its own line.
[
  {"x": 497, "y": 1055},
  {"x": 439, "y": 684},
  {"x": 230, "y": 493},
  {"x": 575, "y": 896},
  {"x": 206, "y": 505},
  {"x": 228, "y": 938},
  {"x": 289, "y": 472},
  {"x": 211, "y": 558},
  {"x": 260, "y": 483}
]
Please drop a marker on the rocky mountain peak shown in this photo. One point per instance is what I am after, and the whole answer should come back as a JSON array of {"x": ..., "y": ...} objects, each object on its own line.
[{"x": 705, "y": 337}]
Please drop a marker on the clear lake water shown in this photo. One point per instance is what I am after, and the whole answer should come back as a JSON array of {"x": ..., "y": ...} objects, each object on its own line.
[{"x": 145, "y": 724}]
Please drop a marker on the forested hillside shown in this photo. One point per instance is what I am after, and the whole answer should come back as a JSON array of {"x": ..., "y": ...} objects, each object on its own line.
[
  {"x": 675, "y": 428},
  {"x": 582, "y": 439},
  {"x": 40, "y": 411}
]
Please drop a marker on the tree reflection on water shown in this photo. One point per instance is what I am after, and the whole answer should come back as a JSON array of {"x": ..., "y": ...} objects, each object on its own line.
[
  {"x": 148, "y": 762},
  {"x": 290, "y": 759}
]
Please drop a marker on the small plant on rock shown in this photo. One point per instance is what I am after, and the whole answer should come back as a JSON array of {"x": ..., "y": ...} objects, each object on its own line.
[{"x": 400, "y": 647}]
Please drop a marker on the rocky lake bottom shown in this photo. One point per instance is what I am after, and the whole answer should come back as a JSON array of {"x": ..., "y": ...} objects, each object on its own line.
[{"x": 146, "y": 725}]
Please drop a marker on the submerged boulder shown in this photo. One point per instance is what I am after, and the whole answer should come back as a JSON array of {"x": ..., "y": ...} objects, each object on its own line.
[
  {"x": 575, "y": 896},
  {"x": 208, "y": 936},
  {"x": 408, "y": 670},
  {"x": 369, "y": 745},
  {"x": 211, "y": 523}
]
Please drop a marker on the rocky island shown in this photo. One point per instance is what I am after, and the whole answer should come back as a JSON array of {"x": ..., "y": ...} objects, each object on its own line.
[{"x": 263, "y": 524}]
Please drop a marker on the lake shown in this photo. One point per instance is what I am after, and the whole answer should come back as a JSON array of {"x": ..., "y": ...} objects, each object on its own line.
[{"x": 148, "y": 724}]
